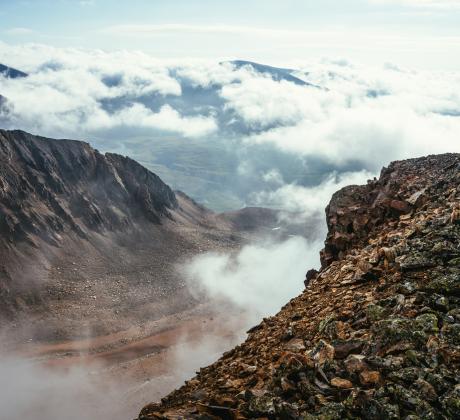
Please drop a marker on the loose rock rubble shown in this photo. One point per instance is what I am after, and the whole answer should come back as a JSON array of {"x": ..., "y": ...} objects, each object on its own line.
[{"x": 376, "y": 333}]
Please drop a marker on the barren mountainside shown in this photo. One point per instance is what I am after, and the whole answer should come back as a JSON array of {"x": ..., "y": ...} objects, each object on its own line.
[
  {"x": 375, "y": 334},
  {"x": 91, "y": 241}
]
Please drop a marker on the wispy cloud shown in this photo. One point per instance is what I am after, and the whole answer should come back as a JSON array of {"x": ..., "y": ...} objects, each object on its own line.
[
  {"x": 328, "y": 34},
  {"x": 363, "y": 40},
  {"x": 19, "y": 31},
  {"x": 171, "y": 28},
  {"x": 249, "y": 279}
]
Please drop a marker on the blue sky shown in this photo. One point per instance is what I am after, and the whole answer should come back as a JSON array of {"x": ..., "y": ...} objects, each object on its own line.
[{"x": 421, "y": 33}]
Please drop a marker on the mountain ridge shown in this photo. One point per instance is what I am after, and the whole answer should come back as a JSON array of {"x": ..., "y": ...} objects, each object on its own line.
[
  {"x": 277, "y": 73},
  {"x": 43, "y": 168}
]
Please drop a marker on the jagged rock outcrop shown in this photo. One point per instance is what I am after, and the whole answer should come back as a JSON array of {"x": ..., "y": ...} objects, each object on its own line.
[
  {"x": 376, "y": 334},
  {"x": 355, "y": 211}
]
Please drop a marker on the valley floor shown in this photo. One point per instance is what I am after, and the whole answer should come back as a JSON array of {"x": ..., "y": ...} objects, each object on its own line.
[{"x": 136, "y": 364}]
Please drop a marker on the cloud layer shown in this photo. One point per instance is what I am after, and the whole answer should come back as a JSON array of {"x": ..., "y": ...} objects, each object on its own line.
[
  {"x": 93, "y": 90},
  {"x": 351, "y": 119},
  {"x": 31, "y": 391}
]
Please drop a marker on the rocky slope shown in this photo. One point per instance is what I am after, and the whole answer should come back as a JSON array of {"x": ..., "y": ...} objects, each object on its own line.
[{"x": 376, "y": 333}]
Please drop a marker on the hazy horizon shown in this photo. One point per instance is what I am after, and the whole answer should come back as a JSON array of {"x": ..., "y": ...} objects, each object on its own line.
[{"x": 417, "y": 33}]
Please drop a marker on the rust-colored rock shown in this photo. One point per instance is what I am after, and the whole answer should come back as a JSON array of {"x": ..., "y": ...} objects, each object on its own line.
[
  {"x": 369, "y": 377},
  {"x": 341, "y": 383},
  {"x": 322, "y": 353},
  {"x": 296, "y": 344}
]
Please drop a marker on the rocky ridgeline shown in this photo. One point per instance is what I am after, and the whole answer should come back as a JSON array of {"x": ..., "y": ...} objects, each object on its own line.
[
  {"x": 376, "y": 333},
  {"x": 51, "y": 186}
]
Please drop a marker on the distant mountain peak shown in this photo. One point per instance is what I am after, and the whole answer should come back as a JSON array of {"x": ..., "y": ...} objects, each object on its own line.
[
  {"x": 11, "y": 73},
  {"x": 277, "y": 73}
]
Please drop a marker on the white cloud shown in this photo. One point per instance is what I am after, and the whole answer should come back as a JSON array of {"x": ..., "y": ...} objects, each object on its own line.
[
  {"x": 167, "y": 119},
  {"x": 373, "y": 137},
  {"x": 251, "y": 279},
  {"x": 262, "y": 102},
  {"x": 369, "y": 115},
  {"x": 372, "y": 115},
  {"x": 273, "y": 177},
  {"x": 309, "y": 201},
  {"x": 66, "y": 90}
]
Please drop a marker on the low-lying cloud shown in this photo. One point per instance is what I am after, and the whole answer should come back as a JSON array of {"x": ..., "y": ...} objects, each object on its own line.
[
  {"x": 308, "y": 202},
  {"x": 259, "y": 279},
  {"x": 66, "y": 97},
  {"x": 351, "y": 118},
  {"x": 30, "y": 391},
  {"x": 167, "y": 119}
]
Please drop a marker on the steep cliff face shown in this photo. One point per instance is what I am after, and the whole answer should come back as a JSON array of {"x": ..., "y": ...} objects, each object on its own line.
[
  {"x": 69, "y": 216},
  {"x": 376, "y": 333},
  {"x": 51, "y": 186}
]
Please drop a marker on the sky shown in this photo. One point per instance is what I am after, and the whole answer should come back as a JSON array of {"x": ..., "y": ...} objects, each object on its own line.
[{"x": 417, "y": 33}]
